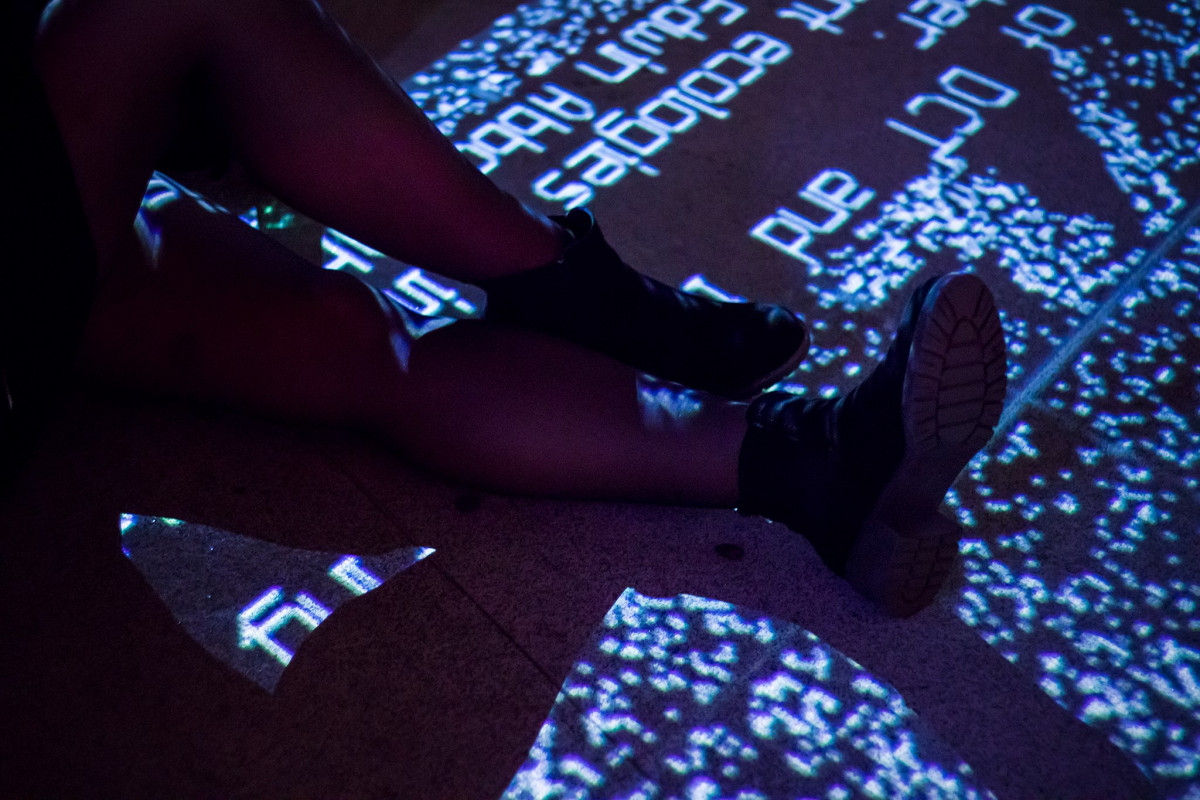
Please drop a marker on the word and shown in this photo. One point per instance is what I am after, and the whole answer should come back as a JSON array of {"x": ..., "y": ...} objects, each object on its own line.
[{"x": 835, "y": 193}]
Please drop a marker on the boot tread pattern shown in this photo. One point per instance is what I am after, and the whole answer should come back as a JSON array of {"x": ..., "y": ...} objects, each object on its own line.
[
  {"x": 918, "y": 570},
  {"x": 953, "y": 397},
  {"x": 956, "y": 369}
]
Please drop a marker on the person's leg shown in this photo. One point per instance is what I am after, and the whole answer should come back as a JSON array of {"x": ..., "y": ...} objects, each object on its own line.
[
  {"x": 304, "y": 109},
  {"x": 326, "y": 130},
  {"x": 214, "y": 310},
  {"x": 215, "y": 315},
  {"x": 863, "y": 475}
]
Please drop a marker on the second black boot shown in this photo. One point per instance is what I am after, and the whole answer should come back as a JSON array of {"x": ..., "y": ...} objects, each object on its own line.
[
  {"x": 862, "y": 476},
  {"x": 593, "y": 298}
]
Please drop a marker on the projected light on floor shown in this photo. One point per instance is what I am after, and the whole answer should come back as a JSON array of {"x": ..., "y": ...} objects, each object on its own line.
[
  {"x": 1106, "y": 83},
  {"x": 1080, "y": 566},
  {"x": 691, "y": 697},
  {"x": 1061, "y": 257},
  {"x": 432, "y": 297},
  {"x": 248, "y": 602},
  {"x": 1095, "y": 638},
  {"x": 1094, "y": 589}
]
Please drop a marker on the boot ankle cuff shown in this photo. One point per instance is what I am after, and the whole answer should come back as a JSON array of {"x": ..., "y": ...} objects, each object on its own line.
[
  {"x": 769, "y": 459},
  {"x": 787, "y": 472},
  {"x": 761, "y": 480}
]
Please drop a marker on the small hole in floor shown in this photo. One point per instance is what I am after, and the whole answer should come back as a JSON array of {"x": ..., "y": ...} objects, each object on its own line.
[{"x": 732, "y": 552}]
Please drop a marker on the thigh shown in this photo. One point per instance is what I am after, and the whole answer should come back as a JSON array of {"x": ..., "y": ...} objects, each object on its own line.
[
  {"x": 112, "y": 71},
  {"x": 200, "y": 305}
]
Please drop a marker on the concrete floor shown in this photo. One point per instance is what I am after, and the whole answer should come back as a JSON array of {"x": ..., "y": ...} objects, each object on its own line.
[{"x": 437, "y": 683}]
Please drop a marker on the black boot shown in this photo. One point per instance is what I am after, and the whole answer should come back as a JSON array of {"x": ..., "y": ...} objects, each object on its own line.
[
  {"x": 862, "y": 476},
  {"x": 593, "y": 298}
]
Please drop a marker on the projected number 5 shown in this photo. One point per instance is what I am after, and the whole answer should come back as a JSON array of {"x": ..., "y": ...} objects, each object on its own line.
[{"x": 413, "y": 289}]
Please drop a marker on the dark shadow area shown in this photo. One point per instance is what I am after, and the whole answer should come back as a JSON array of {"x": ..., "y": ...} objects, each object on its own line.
[{"x": 1050, "y": 149}]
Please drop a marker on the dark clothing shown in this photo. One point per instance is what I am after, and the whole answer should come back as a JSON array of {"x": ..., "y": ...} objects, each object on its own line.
[{"x": 48, "y": 262}]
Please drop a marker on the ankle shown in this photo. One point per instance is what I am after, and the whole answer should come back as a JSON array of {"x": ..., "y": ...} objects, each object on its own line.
[
  {"x": 557, "y": 239},
  {"x": 549, "y": 241}
]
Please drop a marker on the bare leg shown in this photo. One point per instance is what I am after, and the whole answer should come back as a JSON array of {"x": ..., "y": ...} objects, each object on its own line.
[
  {"x": 303, "y": 108},
  {"x": 218, "y": 311}
]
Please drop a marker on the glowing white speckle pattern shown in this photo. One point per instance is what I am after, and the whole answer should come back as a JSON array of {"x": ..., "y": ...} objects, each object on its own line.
[
  {"x": 530, "y": 42},
  {"x": 1116, "y": 89},
  {"x": 688, "y": 697},
  {"x": 1063, "y": 258},
  {"x": 1093, "y": 589}
]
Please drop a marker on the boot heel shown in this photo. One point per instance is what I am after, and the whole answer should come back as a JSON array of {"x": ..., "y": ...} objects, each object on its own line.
[{"x": 902, "y": 569}]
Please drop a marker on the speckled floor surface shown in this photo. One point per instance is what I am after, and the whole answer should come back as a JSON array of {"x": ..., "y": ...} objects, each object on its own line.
[{"x": 1059, "y": 662}]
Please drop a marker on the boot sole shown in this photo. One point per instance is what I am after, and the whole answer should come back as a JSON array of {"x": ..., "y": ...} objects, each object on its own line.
[{"x": 953, "y": 395}]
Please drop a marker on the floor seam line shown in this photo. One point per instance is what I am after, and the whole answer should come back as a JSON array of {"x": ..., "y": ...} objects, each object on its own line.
[
  {"x": 1032, "y": 388},
  {"x": 452, "y": 580}
]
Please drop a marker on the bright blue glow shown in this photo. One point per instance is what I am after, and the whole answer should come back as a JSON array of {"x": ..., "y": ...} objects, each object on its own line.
[
  {"x": 1081, "y": 566},
  {"x": 699, "y": 285},
  {"x": 253, "y": 631},
  {"x": 1113, "y": 640},
  {"x": 349, "y": 572},
  {"x": 213, "y": 581},
  {"x": 692, "y": 697},
  {"x": 421, "y": 292},
  {"x": 666, "y": 406}
]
